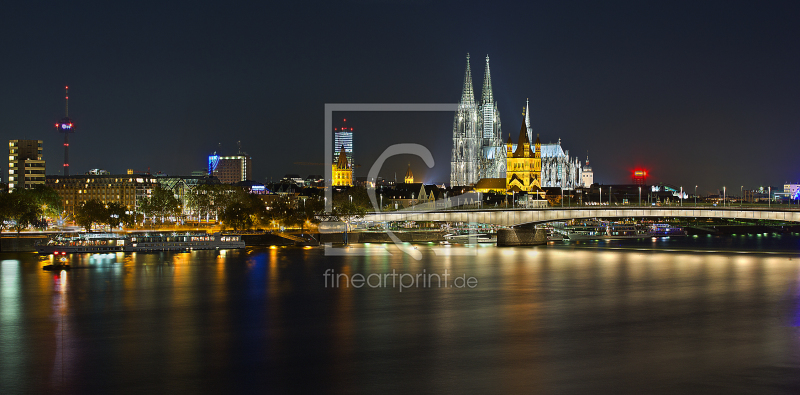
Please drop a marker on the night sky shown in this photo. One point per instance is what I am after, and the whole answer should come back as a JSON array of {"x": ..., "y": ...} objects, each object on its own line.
[{"x": 701, "y": 93}]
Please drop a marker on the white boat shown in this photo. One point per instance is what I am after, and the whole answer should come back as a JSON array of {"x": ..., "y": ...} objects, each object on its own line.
[
  {"x": 469, "y": 238},
  {"x": 659, "y": 230},
  {"x": 110, "y": 243},
  {"x": 616, "y": 231}
]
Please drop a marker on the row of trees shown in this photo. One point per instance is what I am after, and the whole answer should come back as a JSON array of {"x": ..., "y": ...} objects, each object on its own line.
[
  {"x": 232, "y": 206},
  {"x": 95, "y": 212},
  {"x": 25, "y": 208}
]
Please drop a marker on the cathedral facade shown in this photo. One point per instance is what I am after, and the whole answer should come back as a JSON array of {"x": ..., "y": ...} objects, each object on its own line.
[
  {"x": 559, "y": 169},
  {"x": 478, "y": 150}
]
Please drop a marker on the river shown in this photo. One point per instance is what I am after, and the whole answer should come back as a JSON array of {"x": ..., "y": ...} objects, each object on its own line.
[{"x": 679, "y": 315}]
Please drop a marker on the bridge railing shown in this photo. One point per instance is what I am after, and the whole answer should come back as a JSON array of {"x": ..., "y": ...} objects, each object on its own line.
[{"x": 413, "y": 209}]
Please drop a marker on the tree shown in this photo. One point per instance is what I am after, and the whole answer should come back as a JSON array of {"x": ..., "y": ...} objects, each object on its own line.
[
  {"x": 90, "y": 212},
  {"x": 243, "y": 210},
  {"x": 115, "y": 215},
  {"x": 5, "y": 210},
  {"x": 237, "y": 215},
  {"x": 281, "y": 211},
  {"x": 161, "y": 204},
  {"x": 307, "y": 212},
  {"x": 349, "y": 206},
  {"x": 48, "y": 199},
  {"x": 203, "y": 200},
  {"x": 23, "y": 210}
]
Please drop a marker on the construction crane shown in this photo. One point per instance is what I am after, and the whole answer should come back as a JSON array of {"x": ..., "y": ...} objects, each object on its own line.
[{"x": 316, "y": 164}]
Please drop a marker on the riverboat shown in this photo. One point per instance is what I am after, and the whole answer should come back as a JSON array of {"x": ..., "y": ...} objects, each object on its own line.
[{"x": 110, "y": 243}]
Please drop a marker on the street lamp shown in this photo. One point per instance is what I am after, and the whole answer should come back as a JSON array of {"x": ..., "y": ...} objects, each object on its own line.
[
  {"x": 609, "y": 196},
  {"x": 695, "y": 195},
  {"x": 769, "y": 197},
  {"x": 600, "y": 201}
]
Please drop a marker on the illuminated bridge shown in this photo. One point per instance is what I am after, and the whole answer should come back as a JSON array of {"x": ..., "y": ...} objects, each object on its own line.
[{"x": 515, "y": 217}]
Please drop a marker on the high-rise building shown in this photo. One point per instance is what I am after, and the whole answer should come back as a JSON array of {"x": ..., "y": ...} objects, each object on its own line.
[
  {"x": 342, "y": 172},
  {"x": 466, "y": 142},
  {"x": 25, "y": 164},
  {"x": 230, "y": 169},
  {"x": 343, "y": 141}
]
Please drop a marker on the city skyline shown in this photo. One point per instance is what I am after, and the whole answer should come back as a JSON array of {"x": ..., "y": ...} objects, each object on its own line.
[{"x": 680, "y": 90}]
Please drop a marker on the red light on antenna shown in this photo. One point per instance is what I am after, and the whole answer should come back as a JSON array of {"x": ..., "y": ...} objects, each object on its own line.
[
  {"x": 66, "y": 87},
  {"x": 351, "y": 128},
  {"x": 56, "y": 125},
  {"x": 335, "y": 128},
  {"x": 70, "y": 125},
  {"x": 345, "y": 120}
]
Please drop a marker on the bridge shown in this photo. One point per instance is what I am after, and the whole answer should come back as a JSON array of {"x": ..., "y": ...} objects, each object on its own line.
[{"x": 516, "y": 217}]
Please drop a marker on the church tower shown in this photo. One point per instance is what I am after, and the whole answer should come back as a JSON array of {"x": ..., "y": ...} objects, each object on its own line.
[
  {"x": 409, "y": 179},
  {"x": 492, "y": 155},
  {"x": 342, "y": 172},
  {"x": 524, "y": 165},
  {"x": 465, "y": 155}
]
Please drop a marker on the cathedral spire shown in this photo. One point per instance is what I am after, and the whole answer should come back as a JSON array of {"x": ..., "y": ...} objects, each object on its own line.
[
  {"x": 527, "y": 115},
  {"x": 486, "y": 95},
  {"x": 467, "y": 95}
]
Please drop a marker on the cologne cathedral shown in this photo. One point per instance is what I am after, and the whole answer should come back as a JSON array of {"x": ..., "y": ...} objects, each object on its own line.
[{"x": 478, "y": 149}]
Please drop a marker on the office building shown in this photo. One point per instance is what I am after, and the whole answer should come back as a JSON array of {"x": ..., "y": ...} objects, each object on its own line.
[
  {"x": 343, "y": 141},
  {"x": 25, "y": 164},
  {"x": 127, "y": 190},
  {"x": 230, "y": 169}
]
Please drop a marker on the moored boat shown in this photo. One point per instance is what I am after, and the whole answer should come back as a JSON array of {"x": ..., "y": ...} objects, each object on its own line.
[
  {"x": 111, "y": 243},
  {"x": 614, "y": 231}
]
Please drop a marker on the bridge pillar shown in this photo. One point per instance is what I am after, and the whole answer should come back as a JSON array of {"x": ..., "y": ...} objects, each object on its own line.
[{"x": 521, "y": 237}]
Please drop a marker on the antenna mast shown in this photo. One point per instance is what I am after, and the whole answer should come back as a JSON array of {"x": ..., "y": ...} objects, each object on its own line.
[{"x": 66, "y": 126}]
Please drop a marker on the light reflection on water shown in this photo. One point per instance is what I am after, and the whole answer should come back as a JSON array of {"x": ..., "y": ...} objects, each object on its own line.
[{"x": 541, "y": 320}]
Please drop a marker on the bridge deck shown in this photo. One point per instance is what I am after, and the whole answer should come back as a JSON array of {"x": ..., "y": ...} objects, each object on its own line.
[{"x": 513, "y": 217}]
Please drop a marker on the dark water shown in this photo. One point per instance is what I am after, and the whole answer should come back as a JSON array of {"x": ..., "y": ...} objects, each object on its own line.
[{"x": 607, "y": 317}]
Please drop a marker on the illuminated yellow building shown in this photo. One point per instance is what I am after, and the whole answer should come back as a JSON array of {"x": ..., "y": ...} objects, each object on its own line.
[
  {"x": 342, "y": 172},
  {"x": 523, "y": 164},
  {"x": 487, "y": 185},
  {"x": 409, "y": 175}
]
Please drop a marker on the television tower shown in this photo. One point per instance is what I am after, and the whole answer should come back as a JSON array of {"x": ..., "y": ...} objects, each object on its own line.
[{"x": 66, "y": 127}]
